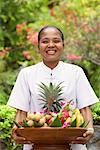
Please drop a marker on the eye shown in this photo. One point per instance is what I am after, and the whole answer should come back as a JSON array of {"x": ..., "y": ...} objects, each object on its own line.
[
  {"x": 57, "y": 40},
  {"x": 44, "y": 41}
]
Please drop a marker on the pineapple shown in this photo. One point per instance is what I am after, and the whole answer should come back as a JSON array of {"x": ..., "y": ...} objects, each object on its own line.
[{"x": 51, "y": 97}]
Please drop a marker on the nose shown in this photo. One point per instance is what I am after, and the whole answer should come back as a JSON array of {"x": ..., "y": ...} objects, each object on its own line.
[{"x": 51, "y": 44}]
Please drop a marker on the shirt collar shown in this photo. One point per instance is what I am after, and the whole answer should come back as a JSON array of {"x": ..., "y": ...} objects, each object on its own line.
[{"x": 49, "y": 70}]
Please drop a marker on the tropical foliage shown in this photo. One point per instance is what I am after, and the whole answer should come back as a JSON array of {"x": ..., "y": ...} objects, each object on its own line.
[
  {"x": 7, "y": 116},
  {"x": 20, "y": 20}
]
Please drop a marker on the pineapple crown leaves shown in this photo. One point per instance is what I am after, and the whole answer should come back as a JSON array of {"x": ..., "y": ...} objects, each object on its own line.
[
  {"x": 50, "y": 95},
  {"x": 50, "y": 91}
]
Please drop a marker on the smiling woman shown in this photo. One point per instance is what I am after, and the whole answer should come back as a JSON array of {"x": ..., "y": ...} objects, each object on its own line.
[
  {"x": 51, "y": 45},
  {"x": 25, "y": 94}
]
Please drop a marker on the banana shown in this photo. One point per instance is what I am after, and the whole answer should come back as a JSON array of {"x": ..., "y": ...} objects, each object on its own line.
[
  {"x": 73, "y": 117},
  {"x": 73, "y": 120},
  {"x": 76, "y": 111},
  {"x": 68, "y": 120},
  {"x": 79, "y": 120}
]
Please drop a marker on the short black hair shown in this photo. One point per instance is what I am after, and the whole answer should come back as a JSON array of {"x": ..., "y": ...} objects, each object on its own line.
[{"x": 45, "y": 27}]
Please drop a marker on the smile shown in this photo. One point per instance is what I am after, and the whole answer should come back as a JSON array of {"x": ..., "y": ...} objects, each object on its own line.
[{"x": 51, "y": 52}]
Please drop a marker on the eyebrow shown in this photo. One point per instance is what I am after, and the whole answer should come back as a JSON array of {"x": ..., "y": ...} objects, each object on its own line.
[{"x": 48, "y": 38}]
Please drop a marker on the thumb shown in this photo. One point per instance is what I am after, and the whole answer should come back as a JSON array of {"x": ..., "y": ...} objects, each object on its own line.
[{"x": 89, "y": 131}]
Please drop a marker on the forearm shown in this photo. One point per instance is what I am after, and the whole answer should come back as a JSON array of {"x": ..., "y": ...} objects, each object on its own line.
[
  {"x": 86, "y": 112},
  {"x": 20, "y": 115}
]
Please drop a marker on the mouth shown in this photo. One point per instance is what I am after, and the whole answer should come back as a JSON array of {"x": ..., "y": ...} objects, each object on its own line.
[{"x": 51, "y": 52}]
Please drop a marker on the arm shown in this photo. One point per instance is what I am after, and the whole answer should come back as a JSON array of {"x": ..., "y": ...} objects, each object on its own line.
[
  {"x": 86, "y": 112},
  {"x": 20, "y": 115}
]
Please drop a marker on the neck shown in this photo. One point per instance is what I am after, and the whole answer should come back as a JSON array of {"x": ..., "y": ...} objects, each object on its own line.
[{"x": 51, "y": 65}]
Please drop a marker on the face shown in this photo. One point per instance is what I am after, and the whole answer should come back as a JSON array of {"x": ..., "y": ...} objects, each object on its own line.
[{"x": 51, "y": 45}]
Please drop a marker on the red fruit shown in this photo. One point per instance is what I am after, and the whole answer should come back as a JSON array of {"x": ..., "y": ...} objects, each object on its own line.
[
  {"x": 20, "y": 123},
  {"x": 62, "y": 120},
  {"x": 50, "y": 120},
  {"x": 48, "y": 116},
  {"x": 66, "y": 115}
]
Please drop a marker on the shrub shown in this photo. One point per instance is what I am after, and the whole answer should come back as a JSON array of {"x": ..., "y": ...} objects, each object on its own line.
[
  {"x": 96, "y": 113},
  {"x": 7, "y": 115}
]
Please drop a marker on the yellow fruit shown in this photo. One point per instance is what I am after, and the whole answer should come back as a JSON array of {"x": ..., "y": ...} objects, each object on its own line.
[
  {"x": 30, "y": 123},
  {"x": 37, "y": 116},
  {"x": 31, "y": 116},
  {"x": 42, "y": 121},
  {"x": 45, "y": 125},
  {"x": 79, "y": 120},
  {"x": 73, "y": 118},
  {"x": 76, "y": 111},
  {"x": 68, "y": 120}
]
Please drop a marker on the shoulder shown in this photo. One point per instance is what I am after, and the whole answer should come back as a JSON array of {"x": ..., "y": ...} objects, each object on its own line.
[
  {"x": 71, "y": 67},
  {"x": 30, "y": 69}
]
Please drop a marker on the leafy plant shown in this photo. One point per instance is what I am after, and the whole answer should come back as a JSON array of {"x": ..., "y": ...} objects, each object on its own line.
[
  {"x": 21, "y": 21},
  {"x": 96, "y": 113},
  {"x": 7, "y": 80},
  {"x": 7, "y": 115}
]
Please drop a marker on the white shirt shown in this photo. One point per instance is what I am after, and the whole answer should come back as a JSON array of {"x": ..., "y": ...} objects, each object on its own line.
[{"x": 25, "y": 94}]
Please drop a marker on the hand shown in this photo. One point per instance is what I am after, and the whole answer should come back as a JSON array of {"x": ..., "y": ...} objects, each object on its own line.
[
  {"x": 17, "y": 138},
  {"x": 86, "y": 137}
]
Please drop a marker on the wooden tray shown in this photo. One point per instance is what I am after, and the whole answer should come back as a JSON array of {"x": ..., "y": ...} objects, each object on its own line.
[{"x": 50, "y": 135}]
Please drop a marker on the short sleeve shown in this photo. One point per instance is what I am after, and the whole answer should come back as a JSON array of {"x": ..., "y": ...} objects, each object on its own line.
[
  {"x": 84, "y": 92},
  {"x": 20, "y": 95}
]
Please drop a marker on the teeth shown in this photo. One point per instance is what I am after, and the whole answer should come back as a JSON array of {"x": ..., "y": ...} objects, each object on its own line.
[{"x": 51, "y": 52}]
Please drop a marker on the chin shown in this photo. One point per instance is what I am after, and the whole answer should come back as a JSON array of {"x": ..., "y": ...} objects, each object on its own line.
[{"x": 51, "y": 60}]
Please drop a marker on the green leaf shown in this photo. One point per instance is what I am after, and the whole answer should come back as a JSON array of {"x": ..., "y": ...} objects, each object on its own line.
[
  {"x": 37, "y": 124},
  {"x": 19, "y": 126},
  {"x": 56, "y": 122},
  {"x": 73, "y": 123},
  {"x": 25, "y": 124},
  {"x": 83, "y": 124}
]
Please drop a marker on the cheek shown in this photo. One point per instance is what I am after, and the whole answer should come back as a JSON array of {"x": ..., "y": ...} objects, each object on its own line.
[
  {"x": 61, "y": 48},
  {"x": 42, "y": 46},
  {"x": 41, "y": 50}
]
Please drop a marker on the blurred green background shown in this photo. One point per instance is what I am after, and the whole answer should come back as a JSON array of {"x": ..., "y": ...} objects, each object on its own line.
[{"x": 20, "y": 21}]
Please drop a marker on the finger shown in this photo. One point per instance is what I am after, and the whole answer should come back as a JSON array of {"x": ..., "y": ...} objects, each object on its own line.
[
  {"x": 19, "y": 138},
  {"x": 14, "y": 129},
  {"x": 78, "y": 142},
  {"x": 80, "y": 138},
  {"x": 90, "y": 131},
  {"x": 22, "y": 142},
  {"x": 15, "y": 136},
  {"x": 84, "y": 138}
]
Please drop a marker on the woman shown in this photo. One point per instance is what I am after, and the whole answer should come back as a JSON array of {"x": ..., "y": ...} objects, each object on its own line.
[{"x": 24, "y": 96}]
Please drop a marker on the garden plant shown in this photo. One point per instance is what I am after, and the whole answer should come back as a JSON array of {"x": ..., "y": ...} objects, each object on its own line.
[{"x": 20, "y": 21}]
